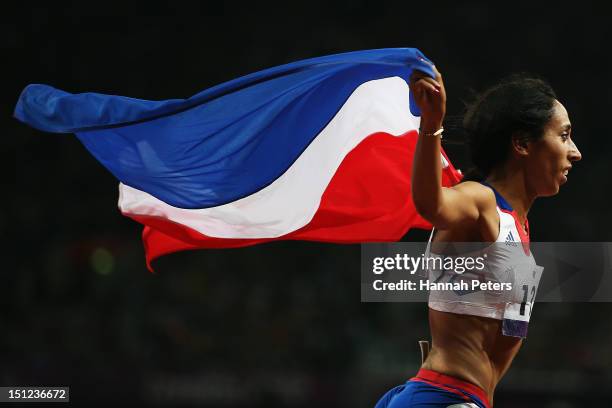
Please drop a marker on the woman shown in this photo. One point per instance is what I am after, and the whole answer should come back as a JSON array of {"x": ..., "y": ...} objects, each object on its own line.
[{"x": 520, "y": 140}]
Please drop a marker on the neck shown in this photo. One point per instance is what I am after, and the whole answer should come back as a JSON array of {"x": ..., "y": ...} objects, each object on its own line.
[{"x": 511, "y": 184}]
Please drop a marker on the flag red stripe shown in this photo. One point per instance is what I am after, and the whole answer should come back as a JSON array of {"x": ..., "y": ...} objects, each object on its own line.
[{"x": 367, "y": 200}]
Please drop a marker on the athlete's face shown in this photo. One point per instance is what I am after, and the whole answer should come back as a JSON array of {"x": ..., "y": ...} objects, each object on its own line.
[{"x": 550, "y": 158}]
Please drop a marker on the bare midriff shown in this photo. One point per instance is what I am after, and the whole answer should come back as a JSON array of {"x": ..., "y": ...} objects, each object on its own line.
[{"x": 470, "y": 348}]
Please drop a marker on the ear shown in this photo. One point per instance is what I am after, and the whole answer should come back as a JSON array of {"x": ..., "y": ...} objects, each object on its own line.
[{"x": 520, "y": 144}]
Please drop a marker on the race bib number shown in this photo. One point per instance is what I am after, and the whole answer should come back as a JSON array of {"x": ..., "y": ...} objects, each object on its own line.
[{"x": 525, "y": 279}]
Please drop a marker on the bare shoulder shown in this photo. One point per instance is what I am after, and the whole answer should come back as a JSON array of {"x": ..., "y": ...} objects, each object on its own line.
[
  {"x": 469, "y": 214},
  {"x": 482, "y": 195},
  {"x": 466, "y": 203}
]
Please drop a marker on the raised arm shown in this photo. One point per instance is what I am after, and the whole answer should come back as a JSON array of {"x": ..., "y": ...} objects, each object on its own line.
[{"x": 443, "y": 207}]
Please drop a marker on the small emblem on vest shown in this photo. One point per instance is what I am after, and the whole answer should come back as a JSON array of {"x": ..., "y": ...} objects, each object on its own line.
[{"x": 510, "y": 239}]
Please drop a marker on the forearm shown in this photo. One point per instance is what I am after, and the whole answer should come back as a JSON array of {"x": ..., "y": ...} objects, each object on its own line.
[{"x": 427, "y": 171}]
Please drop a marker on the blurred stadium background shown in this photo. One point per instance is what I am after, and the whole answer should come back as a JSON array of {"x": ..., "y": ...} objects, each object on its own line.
[{"x": 277, "y": 325}]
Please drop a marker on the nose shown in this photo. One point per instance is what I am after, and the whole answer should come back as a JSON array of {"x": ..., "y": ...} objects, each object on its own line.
[{"x": 574, "y": 154}]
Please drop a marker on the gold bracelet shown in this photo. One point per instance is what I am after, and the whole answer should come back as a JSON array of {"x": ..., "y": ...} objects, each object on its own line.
[{"x": 436, "y": 133}]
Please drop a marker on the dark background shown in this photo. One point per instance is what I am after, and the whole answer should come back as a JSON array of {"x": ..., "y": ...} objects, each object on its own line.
[{"x": 278, "y": 324}]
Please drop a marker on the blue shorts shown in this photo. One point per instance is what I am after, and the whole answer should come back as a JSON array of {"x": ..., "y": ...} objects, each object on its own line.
[{"x": 430, "y": 389}]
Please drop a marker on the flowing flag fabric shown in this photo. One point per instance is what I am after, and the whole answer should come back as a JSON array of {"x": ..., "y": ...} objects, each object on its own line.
[{"x": 319, "y": 149}]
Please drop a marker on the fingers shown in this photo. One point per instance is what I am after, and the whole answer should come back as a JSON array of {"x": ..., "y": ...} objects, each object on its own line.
[
  {"x": 438, "y": 75},
  {"x": 427, "y": 83},
  {"x": 432, "y": 82},
  {"x": 416, "y": 78},
  {"x": 430, "y": 86},
  {"x": 435, "y": 70},
  {"x": 419, "y": 75}
]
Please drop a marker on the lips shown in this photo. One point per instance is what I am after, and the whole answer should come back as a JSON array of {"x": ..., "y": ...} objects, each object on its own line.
[{"x": 565, "y": 172}]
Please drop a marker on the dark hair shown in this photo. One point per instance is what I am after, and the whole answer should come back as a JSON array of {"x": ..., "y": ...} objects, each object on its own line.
[{"x": 519, "y": 105}]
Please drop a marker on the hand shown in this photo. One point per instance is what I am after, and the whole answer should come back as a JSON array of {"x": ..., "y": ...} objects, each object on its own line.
[{"x": 430, "y": 97}]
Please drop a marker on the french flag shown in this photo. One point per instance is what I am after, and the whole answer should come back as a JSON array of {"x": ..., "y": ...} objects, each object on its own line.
[{"x": 319, "y": 149}]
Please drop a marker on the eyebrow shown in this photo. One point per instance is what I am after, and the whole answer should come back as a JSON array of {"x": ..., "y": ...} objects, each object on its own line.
[{"x": 567, "y": 126}]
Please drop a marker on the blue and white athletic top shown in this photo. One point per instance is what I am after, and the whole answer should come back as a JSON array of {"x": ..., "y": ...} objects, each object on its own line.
[{"x": 508, "y": 261}]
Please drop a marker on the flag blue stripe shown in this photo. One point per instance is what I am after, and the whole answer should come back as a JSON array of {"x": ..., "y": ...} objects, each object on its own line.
[{"x": 224, "y": 143}]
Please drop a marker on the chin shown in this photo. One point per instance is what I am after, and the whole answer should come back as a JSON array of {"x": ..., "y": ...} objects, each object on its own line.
[{"x": 550, "y": 191}]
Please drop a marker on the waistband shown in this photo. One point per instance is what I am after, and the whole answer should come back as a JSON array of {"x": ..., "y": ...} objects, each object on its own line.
[{"x": 452, "y": 384}]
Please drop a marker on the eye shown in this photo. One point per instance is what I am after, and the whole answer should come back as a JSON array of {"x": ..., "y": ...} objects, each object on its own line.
[{"x": 565, "y": 136}]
